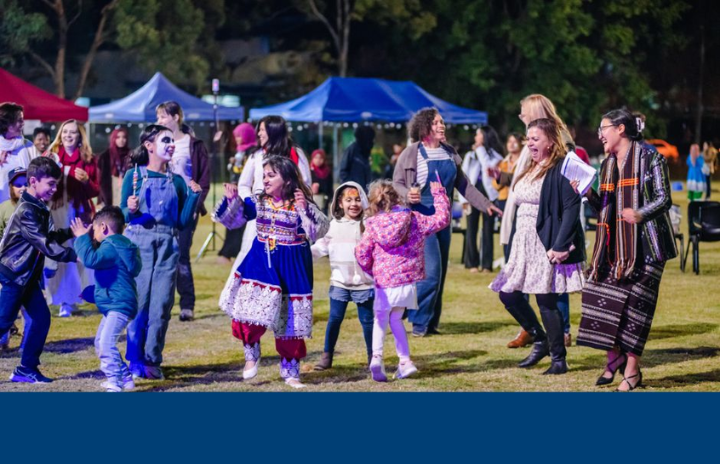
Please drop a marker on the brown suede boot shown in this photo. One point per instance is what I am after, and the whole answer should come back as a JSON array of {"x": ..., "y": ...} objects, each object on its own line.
[
  {"x": 325, "y": 362},
  {"x": 521, "y": 340}
]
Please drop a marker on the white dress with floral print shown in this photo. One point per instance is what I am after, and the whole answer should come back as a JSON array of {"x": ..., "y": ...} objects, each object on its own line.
[{"x": 528, "y": 269}]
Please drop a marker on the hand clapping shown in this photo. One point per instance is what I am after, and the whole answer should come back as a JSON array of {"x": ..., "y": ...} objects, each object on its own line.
[{"x": 78, "y": 228}]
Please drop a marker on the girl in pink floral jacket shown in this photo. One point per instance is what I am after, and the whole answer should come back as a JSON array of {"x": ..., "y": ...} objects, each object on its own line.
[{"x": 392, "y": 250}]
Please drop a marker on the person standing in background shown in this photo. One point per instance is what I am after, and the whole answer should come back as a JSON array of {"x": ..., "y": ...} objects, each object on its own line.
[
  {"x": 355, "y": 165},
  {"x": 695, "y": 175},
  {"x": 322, "y": 180},
  {"x": 190, "y": 161},
  {"x": 710, "y": 156},
  {"x": 112, "y": 164},
  {"x": 41, "y": 139}
]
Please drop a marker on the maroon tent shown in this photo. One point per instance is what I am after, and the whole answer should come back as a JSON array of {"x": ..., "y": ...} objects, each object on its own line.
[{"x": 37, "y": 103}]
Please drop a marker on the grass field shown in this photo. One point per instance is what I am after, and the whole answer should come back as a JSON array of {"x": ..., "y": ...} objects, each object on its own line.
[{"x": 683, "y": 353}]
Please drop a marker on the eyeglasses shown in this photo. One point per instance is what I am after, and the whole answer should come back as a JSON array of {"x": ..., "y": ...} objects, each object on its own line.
[{"x": 600, "y": 129}]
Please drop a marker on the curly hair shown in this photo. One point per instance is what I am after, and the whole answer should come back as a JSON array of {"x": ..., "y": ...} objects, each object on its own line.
[
  {"x": 382, "y": 197},
  {"x": 9, "y": 115},
  {"x": 421, "y": 123}
]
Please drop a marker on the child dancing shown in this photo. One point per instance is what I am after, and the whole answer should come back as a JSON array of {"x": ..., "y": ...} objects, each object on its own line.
[
  {"x": 272, "y": 287},
  {"x": 116, "y": 262},
  {"x": 347, "y": 281},
  {"x": 392, "y": 250},
  {"x": 156, "y": 204},
  {"x": 29, "y": 238}
]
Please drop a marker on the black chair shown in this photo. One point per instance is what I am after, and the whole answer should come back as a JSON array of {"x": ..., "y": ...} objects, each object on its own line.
[{"x": 703, "y": 226}]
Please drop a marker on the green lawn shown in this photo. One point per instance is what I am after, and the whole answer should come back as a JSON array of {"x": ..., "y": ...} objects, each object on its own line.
[{"x": 681, "y": 355}]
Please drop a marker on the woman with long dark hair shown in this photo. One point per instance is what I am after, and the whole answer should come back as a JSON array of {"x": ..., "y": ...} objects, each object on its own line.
[
  {"x": 487, "y": 152},
  {"x": 112, "y": 164},
  {"x": 430, "y": 159},
  {"x": 634, "y": 240},
  {"x": 548, "y": 249}
]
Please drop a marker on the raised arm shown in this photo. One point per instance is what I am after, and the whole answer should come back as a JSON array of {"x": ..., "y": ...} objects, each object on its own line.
[{"x": 441, "y": 219}]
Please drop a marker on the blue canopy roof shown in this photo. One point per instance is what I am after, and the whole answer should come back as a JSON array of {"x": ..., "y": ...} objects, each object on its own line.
[
  {"x": 351, "y": 99},
  {"x": 140, "y": 105}
]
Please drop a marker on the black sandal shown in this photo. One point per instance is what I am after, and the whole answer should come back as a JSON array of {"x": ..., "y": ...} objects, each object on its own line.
[
  {"x": 632, "y": 387},
  {"x": 608, "y": 368}
]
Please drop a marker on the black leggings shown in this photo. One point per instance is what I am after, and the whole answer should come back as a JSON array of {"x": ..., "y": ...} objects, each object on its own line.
[{"x": 518, "y": 306}]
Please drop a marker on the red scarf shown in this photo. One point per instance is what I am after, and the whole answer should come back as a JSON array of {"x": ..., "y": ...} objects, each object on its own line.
[{"x": 321, "y": 172}]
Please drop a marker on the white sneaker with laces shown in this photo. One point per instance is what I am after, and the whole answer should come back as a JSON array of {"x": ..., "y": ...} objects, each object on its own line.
[
  {"x": 377, "y": 369},
  {"x": 405, "y": 370},
  {"x": 65, "y": 310}
]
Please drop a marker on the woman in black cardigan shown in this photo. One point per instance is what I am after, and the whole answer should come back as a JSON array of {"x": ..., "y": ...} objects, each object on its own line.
[{"x": 548, "y": 252}]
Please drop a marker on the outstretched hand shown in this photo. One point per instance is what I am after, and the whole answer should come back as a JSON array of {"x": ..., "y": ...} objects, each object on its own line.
[
  {"x": 78, "y": 228},
  {"x": 494, "y": 211}
]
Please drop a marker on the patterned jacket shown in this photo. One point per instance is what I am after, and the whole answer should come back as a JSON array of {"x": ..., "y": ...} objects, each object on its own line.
[
  {"x": 657, "y": 241},
  {"x": 392, "y": 248}
]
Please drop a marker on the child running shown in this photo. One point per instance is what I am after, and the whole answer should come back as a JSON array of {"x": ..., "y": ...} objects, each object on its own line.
[
  {"x": 29, "y": 238},
  {"x": 116, "y": 262},
  {"x": 156, "y": 204},
  {"x": 347, "y": 281},
  {"x": 392, "y": 250},
  {"x": 272, "y": 287}
]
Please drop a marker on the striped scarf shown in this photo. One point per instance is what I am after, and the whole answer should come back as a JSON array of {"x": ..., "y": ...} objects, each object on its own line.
[{"x": 619, "y": 189}]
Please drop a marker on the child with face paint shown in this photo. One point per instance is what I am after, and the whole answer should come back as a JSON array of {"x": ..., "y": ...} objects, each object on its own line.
[
  {"x": 348, "y": 282},
  {"x": 157, "y": 204},
  {"x": 272, "y": 287}
]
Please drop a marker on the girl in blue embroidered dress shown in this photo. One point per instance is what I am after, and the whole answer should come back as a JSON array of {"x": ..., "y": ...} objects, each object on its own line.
[{"x": 272, "y": 287}]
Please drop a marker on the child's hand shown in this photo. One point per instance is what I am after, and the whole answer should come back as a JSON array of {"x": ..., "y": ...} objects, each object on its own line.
[
  {"x": 78, "y": 228},
  {"x": 231, "y": 191},
  {"x": 195, "y": 187},
  {"x": 435, "y": 187},
  {"x": 3, "y": 157},
  {"x": 300, "y": 201},
  {"x": 133, "y": 203}
]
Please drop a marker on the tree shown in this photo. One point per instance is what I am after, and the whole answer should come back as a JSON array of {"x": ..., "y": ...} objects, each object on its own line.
[{"x": 18, "y": 31}]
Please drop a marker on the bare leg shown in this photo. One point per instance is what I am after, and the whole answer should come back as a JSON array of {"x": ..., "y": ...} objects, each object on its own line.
[
  {"x": 632, "y": 373},
  {"x": 614, "y": 359}
]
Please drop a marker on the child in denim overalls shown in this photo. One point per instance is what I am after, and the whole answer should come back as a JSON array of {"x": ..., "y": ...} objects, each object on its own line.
[{"x": 156, "y": 204}]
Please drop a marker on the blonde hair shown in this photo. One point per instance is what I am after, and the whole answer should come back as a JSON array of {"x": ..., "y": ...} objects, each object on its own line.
[
  {"x": 83, "y": 144},
  {"x": 540, "y": 107},
  {"x": 557, "y": 151},
  {"x": 382, "y": 197}
]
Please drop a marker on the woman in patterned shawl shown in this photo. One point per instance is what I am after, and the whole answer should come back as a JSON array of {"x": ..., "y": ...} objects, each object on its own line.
[{"x": 634, "y": 239}]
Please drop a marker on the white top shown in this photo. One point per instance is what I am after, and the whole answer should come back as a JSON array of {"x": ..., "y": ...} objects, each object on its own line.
[
  {"x": 475, "y": 164},
  {"x": 181, "y": 160},
  {"x": 339, "y": 244},
  {"x": 250, "y": 181},
  {"x": 20, "y": 153},
  {"x": 434, "y": 154}
]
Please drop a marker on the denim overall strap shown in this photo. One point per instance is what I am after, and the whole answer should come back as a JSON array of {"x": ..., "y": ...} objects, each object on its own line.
[
  {"x": 446, "y": 170},
  {"x": 159, "y": 203}
]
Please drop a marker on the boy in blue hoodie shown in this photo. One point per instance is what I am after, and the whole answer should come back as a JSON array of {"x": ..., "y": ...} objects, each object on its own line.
[{"x": 116, "y": 261}]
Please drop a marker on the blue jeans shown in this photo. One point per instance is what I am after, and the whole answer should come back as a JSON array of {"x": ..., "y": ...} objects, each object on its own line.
[
  {"x": 112, "y": 364},
  {"x": 12, "y": 298},
  {"x": 339, "y": 299},
  {"x": 156, "y": 294},
  {"x": 430, "y": 290}
]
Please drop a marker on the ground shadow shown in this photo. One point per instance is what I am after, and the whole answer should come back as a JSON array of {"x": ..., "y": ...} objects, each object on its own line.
[
  {"x": 461, "y": 328},
  {"x": 70, "y": 345},
  {"x": 687, "y": 379},
  {"x": 680, "y": 330}
]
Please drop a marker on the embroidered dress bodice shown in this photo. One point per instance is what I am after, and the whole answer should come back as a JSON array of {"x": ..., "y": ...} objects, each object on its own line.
[{"x": 279, "y": 225}]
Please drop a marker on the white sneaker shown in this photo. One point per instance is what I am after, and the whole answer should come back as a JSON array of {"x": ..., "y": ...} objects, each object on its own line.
[
  {"x": 377, "y": 369},
  {"x": 405, "y": 370},
  {"x": 128, "y": 384},
  {"x": 65, "y": 310},
  {"x": 295, "y": 383},
  {"x": 252, "y": 372},
  {"x": 111, "y": 387}
]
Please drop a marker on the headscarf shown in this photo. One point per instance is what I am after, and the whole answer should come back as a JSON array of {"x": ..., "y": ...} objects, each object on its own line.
[
  {"x": 323, "y": 171},
  {"x": 247, "y": 132}
]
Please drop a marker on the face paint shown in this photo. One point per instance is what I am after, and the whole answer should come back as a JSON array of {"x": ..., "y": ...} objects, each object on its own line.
[{"x": 165, "y": 146}]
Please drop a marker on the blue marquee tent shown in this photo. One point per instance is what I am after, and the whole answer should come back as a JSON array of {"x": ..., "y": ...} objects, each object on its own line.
[
  {"x": 350, "y": 99},
  {"x": 140, "y": 105}
]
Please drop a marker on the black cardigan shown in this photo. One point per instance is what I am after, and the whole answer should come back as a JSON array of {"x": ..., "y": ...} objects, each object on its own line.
[{"x": 558, "y": 222}]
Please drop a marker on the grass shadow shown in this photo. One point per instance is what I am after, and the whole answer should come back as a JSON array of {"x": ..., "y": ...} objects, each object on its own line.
[
  {"x": 70, "y": 345},
  {"x": 687, "y": 379},
  {"x": 680, "y": 330},
  {"x": 462, "y": 328}
]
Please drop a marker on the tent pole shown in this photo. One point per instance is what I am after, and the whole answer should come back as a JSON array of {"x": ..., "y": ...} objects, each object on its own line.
[{"x": 336, "y": 157}]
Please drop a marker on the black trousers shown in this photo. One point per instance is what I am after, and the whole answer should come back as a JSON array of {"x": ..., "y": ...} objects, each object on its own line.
[
  {"x": 233, "y": 243},
  {"x": 471, "y": 256},
  {"x": 520, "y": 309},
  {"x": 185, "y": 281}
]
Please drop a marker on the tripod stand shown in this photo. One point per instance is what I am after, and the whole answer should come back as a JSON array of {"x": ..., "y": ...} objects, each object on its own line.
[{"x": 211, "y": 236}]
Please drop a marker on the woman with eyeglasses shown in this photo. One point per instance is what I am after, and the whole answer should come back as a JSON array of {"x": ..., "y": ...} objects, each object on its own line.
[{"x": 634, "y": 240}]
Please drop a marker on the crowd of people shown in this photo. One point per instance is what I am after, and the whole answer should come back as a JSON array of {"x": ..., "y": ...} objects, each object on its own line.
[{"x": 387, "y": 239}]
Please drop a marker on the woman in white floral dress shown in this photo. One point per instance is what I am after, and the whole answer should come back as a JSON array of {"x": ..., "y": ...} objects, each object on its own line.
[{"x": 548, "y": 252}]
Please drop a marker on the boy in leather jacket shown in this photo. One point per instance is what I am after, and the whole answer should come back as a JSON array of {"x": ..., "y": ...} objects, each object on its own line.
[{"x": 29, "y": 238}]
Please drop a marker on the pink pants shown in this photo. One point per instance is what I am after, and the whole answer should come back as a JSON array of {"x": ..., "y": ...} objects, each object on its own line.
[{"x": 250, "y": 334}]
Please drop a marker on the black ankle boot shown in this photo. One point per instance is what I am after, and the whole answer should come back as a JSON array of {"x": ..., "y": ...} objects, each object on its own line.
[
  {"x": 557, "y": 367},
  {"x": 539, "y": 351}
]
